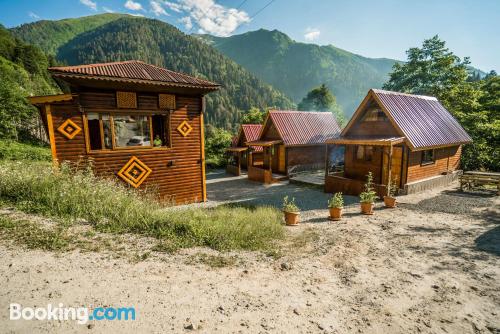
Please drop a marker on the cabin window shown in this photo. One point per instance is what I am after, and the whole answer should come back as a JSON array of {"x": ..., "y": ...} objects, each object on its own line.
[
  {"x": 364, "y": 153},
  {"x": 108, "y": 132},
  {"x": 132, "y": 131},
  {"x": 427, "y": 157},
  {"x": 374, "y": 115}
]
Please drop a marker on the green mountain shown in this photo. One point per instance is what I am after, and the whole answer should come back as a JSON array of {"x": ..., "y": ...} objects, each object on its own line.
[
  {"x": 103, "y": 38},
  {"x": 295, "y": 68}
]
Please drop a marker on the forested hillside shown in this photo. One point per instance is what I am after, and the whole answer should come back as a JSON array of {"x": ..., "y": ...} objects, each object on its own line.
[
  {"x": 295, "y": 68},
  {"x": 22, "y": 73},
  {"x": 158, "y": 43}
]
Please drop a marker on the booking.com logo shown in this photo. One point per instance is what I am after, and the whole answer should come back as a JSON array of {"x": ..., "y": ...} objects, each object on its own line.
[{"x": 81, "y": 314}]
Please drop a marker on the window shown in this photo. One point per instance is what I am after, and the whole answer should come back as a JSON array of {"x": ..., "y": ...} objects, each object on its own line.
[
  {"x": 107, "y": 132},
  {"x": 364, "y": 153},
  {"x": 427, "y": 157},
  {"x": 374, "y": 115}
]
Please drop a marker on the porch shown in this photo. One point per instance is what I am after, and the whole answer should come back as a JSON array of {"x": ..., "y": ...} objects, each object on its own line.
[
  {"x": 272, "y": 168},
  {"x": 383, "y": 157}
]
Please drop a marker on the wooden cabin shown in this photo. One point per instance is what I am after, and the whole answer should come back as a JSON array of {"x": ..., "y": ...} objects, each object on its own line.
[
  {"x": 411, "y": 140},
  {"x": 292, "y": 141},
  {"x": 137, "y": 122},
  {"x": 240, "y": 155}
]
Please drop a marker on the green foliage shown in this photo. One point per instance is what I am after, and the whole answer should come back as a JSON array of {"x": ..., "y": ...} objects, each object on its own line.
[
  {"x": 322, "y": 99},
  {"x": 217, "y": 140},
  {"x": 434, "y": 70},
  {"x": 104, "y": 38},
  {"x": 67, "y": 195},
  {"x": 368, "y": 195},
  {"x": 23, "y": 73},
  {"x": 12, "y": 150},
  {"x": 337, "y": 201},
  {"x": 294, "y": 67},
  {"x": 253, "y": 116},
  {"x": 289, "y": 205},
  {"x": 393, "y": 188}
]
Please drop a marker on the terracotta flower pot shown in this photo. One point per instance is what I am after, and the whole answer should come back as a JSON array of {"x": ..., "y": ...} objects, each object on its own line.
[
  {"x": 292, "y": 218},
  {"x": 367, "y": 208},
  {"x": 335, "y": 213},
  {"x": 389, "y": 201}
]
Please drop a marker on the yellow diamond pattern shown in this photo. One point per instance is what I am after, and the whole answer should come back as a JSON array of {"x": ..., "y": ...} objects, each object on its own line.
[
  {"x": 184, "y": 128},
  {"x": 69, "y": 129},
  {"x": 134, "y": 172}
]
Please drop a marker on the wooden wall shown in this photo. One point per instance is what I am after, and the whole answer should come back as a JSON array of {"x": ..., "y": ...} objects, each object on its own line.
[
  {"x": 306, "y": 155},
  {"x": 358, "y": 169},
  {"x": 182, "y": 182},
  {"x": 447, "y": 158}
]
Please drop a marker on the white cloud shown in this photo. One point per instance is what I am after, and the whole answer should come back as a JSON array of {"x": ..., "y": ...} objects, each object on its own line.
[
  {"x": 188, "y": 24},
  {"x": 211, "y": 17},
  {"x": 33, "y": 15},
  {"x": 107, "y": 10},
  {"x": 173, "y": 6},
  {"x": 311, "y": 34},
  {"x": 130, "y": 5},
  {"x": 157, "y": 9},
  {"x": 138, "y": 15},
  {"x": 89, "y": 3}
]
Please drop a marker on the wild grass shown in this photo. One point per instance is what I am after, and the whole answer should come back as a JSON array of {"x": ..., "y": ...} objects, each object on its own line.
[
  {"x": 69, "y": 195},
  {"x": 12, "y": 150}
]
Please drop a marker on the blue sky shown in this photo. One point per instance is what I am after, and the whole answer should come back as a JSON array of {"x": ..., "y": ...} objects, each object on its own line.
[{"x": 382, "y": 28}]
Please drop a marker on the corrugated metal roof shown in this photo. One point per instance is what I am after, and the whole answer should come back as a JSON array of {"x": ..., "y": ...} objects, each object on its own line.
[
  {"x": 251, "y": 132},
  {"x": 304, "y": 127},
  {"x": 132, "y": 69},
  {"x": 422, "y": 119}
]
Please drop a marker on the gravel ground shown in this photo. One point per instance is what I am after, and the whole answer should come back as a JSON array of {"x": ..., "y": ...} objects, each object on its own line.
[{"x": 431, "y": 265}]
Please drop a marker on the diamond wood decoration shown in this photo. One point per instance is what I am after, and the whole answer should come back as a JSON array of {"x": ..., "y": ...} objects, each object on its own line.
[
  {"x": 134, "y": 172},
  {"x": 184, "y": 128},
  {"x": 69, "y": 129}
]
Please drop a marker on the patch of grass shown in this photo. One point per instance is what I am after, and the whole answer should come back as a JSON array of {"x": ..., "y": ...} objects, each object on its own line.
[
  {"x": 72, "y": 194},
  {"x": 12, "y": 150},
  {"x": 33, "y": 236}
]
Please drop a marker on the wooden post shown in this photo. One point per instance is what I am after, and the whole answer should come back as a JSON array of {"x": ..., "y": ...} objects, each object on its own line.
[
  {"x": 326, "y": 160},
  {"x": 202, "y": 134},
  {"x": 390, "y": 168},
  {"x": 52, "y": 140}
]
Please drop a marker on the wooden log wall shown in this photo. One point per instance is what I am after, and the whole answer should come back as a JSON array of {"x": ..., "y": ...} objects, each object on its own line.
[
  {"x": 446, "y": 159},
  {"x": 176, "y": 171}
]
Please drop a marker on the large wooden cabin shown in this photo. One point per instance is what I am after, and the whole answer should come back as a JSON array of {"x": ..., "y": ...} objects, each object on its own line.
[
  {"x": 408, "y": 139},
  {"x": 292, "y": 141},
  {"x": 240, "y": 155},
  {"x": 137, "y": 122}
]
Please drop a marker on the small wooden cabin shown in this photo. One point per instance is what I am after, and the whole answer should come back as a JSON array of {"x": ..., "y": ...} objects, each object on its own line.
[
  {"x": 408, "y": 139},
  {"x": 240, "y": 155},
  {"x": 292, "y": 141},
  {"x": 137, "y": 122}
]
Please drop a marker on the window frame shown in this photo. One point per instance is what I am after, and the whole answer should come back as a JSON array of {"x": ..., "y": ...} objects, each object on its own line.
[
  {"x": 114, "y": 148},
  {"x": 364, "y": 159},
  {"x": 428, "y": 162}
]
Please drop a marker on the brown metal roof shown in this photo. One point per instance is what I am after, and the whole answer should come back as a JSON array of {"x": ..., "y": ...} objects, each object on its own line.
[
  {"x": 251, "y": 131},
  {"x": 304, "y": 127},
  {"x": 421, "y": 119},
  {"x": 134, "y": 70}
]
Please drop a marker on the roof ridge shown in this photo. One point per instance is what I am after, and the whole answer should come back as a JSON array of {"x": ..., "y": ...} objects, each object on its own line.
[
  {"x": 383, "y": 91},
  {"x": 99, "y": 64}
]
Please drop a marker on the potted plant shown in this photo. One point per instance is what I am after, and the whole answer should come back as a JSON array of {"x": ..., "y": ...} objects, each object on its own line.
[
  {"x": 291, "y": 211},
  {"x": 336, "y": 205},
  {"x": 368, "y": 196},
  {"x": 392, "y": 190}
]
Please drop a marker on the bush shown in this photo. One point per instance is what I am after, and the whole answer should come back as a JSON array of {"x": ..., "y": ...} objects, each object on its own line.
[
  {"x": 68, "y": 195},
  {"x": 12, "y": 150}
]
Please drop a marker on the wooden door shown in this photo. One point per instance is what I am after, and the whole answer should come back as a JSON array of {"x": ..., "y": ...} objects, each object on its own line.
[
  {"x": 281, "y": 159},
  {"x": 396, "y": 164}
]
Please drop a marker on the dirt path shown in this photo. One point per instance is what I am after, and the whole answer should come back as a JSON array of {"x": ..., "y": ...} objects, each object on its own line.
[{"x": 430, "y": 266}]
